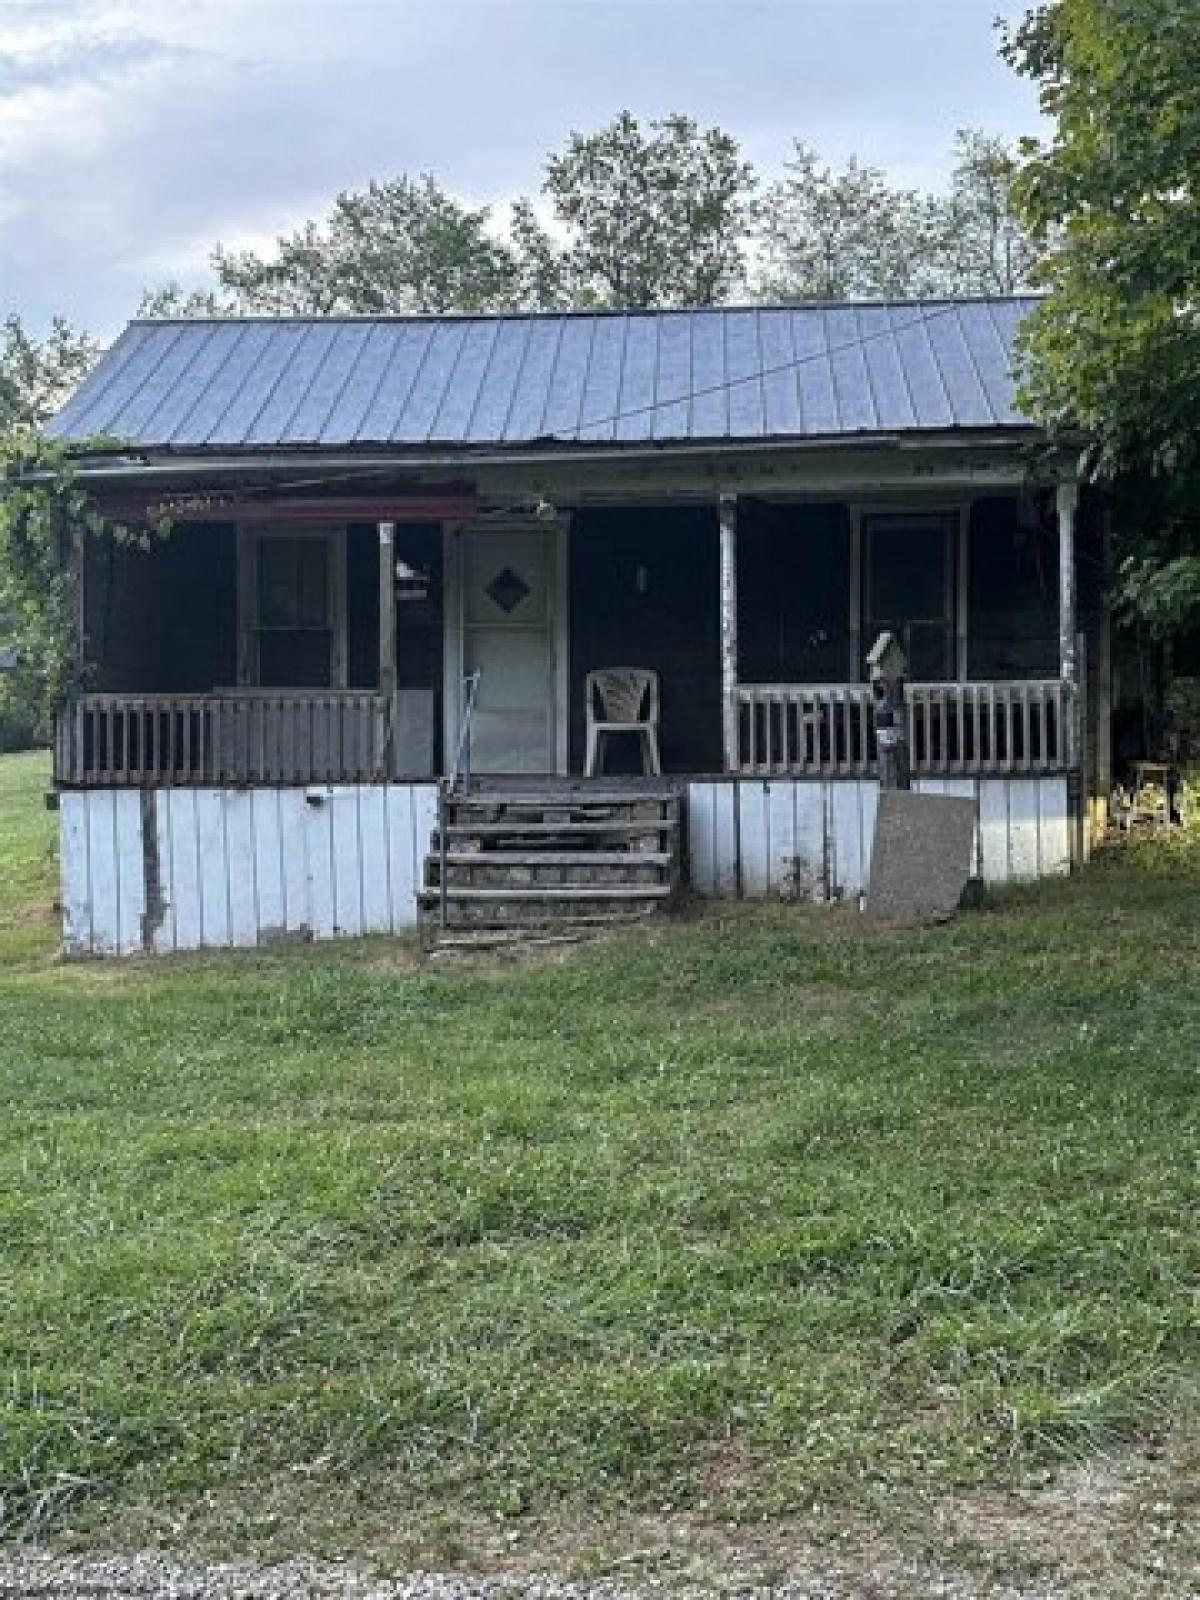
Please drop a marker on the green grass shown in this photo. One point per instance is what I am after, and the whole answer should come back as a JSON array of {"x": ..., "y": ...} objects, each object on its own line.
[{"x": 761, "y": 1211}]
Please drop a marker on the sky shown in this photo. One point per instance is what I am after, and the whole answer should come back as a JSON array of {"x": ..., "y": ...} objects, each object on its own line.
[{"x": 135, "y": 134}]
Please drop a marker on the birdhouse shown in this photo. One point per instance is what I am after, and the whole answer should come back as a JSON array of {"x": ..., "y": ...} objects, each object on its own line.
[
  {"x": 412, "y": 583},
  {"x": 886, "y": 659}
]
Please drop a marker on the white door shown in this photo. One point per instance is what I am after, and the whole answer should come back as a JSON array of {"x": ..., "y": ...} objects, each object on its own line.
[{"x": 510, "y": 584}]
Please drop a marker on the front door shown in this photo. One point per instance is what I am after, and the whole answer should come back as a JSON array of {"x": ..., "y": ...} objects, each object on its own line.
[{"x": 510, "y": 626}]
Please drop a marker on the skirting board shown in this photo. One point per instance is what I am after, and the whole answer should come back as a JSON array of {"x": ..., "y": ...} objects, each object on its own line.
[
  {"x": 165, "y": 870},
  {"x": 191, "y": 869},
  {"x": 811, "y": 837}
]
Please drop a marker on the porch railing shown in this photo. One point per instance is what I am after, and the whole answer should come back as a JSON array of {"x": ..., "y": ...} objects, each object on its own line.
[
  {"x": 828, "y": 730},
  {"x": 251, "y": 736}
]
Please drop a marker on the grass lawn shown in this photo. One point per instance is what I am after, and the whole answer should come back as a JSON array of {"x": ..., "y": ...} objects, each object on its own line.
[{"x": 759, "y": 1214}]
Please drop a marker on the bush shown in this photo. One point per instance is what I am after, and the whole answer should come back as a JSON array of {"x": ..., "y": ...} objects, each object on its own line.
[{"x": 18, "y": 729}]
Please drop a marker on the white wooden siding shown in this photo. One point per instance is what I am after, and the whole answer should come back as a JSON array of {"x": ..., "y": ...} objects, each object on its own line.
[
  {"x": 240, "y": 867},
  {"x": 812, "y": 837},
  {"x": 246, "y": 867}
]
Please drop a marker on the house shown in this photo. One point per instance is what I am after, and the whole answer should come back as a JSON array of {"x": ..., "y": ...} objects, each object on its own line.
[{"x": 400, "y": 545}]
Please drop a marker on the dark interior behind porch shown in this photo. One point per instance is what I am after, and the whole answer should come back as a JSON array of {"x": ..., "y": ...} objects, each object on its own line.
[{"x": 643, "y": 592}]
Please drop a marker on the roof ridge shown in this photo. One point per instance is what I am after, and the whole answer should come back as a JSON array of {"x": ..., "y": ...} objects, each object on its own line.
[{"x": 594, "y": 312}]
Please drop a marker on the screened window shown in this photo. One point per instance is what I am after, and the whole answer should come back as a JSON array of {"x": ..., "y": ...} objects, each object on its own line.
[
  {"x": 295, "y": 623},
  {"x": 910, "y": 586}
]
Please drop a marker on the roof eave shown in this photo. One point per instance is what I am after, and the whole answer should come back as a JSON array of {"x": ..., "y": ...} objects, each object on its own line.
[{"x": 125, "y": 463}]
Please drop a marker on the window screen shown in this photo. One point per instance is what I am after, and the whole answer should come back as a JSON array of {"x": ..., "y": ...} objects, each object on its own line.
[{"x": 295, "y": 634}]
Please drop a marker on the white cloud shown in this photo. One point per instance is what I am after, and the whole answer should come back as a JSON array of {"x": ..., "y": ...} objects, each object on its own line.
[{"x": 135, "y": 135}]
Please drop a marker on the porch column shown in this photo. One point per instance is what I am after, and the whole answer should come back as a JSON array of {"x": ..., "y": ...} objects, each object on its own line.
[
  {"x": 1067, "y": 499},
  {"x": 1067, "y": 502},
  {"x": 729, "y": 643},
  {"x": 387, "y": 609}
]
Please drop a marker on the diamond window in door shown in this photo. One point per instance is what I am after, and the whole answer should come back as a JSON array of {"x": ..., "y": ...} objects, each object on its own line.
[{"x": 507, "y": 589}]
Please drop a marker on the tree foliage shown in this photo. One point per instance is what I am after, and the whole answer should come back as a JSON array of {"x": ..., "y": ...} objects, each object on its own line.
[
  {"x": 644, "y": 216},
  {"x": 830, "y": 234},
  {"x": 661, "y": 213},
  {"x": 44, "y": 517},
  {"x": 395, "y": 246},
  {"x": 984, "y": 244},
  {"x": 1115, "y": 348},
  {"x": 37, "y": 375}
]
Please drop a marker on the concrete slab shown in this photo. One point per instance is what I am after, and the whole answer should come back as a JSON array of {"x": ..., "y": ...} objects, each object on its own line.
[{"x": 922, "y": 856}]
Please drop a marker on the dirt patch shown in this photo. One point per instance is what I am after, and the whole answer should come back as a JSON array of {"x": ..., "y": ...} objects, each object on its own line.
[{"x": 1116, "y": 1526}]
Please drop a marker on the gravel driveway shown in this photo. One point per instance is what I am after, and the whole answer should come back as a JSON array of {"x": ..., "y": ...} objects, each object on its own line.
[{"x": 44, "y": 1576}]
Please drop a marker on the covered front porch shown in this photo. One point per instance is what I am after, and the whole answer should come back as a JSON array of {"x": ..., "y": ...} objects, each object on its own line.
[{"x": 295, "y": 649}]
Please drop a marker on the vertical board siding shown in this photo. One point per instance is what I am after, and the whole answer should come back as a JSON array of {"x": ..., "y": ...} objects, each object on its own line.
[
  {"x": 375, "y": 894},
  {"x": 75, "y": 874},
  {"x": 164, "y": 936},
  {"x": 700, "y": 845},
  {"x": 244, "y": 867},
  {"x": 240, "y": 867},
  {"x": 271, "y": 898},
  {"x": 181, "y": 881},
  {"x": 213, "y": 866},
  {"x": 104, "y": 885},
  {"x": 993, "y": 831},
  {"x": 851, "y": 853},
  {"x": 346, "y": 863},
  {"x": 1024, "y": 830},
  {"x": 297, "y": 907},
  {"x": 398, "y": 826},
  {"x": 813, "y": 837},
  {"x": 423, "y": 799},
  {"x": 1054, "y": 829}
]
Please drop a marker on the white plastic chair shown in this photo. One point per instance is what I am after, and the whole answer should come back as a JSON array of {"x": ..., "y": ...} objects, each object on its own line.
[{"x": 626, "y": 700}]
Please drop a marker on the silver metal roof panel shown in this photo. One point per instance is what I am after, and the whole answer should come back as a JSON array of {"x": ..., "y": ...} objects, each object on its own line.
[{"x": 749, "y": 373}]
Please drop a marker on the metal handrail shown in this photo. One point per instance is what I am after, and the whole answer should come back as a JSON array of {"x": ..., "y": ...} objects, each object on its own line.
[
  {"x": 460, "y": 772},
  {"x": 459, "y": 779}
]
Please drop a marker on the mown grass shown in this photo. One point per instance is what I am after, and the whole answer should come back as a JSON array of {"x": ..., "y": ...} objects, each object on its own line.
[{"x": 761, "y": 1211}]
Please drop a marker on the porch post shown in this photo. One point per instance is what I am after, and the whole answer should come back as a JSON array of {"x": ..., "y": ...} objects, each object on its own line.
[
  {"x": 387, "y": 609},
  {"x": 387, "y": 732},
  {"x": 1067, "y": 503},
  {"x": 1067, "y": 500},
  {"x": 729, "y": 644}
]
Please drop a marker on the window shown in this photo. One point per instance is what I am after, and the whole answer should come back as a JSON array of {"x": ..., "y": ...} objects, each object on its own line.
[
  {"x": 910, "y": 585},
  {"x": 293, "y": 591}
]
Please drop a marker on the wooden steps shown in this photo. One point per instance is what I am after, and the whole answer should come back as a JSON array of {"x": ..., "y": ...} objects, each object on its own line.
[{"x": 549, "y": 860}]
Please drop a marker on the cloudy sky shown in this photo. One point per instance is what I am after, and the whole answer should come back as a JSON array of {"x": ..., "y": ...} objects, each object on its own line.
[{"x": 136, "y": 133}]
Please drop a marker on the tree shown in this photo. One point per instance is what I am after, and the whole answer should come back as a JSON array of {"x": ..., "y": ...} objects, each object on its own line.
[
  {"x": 1114, "y": 351},
  {"x": 36, "y": 376},
  {"x": 984, "y": 246},
  {"x": 835, "y": 235},
  {"x": 395, "y": 246},
  {"x": 830, "y": 235},
  {"x": 654, "y": 216},
  {"x": 174, "y": 301}
]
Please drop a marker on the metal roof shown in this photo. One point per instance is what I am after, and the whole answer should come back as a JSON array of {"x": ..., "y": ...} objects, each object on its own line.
[{"x": 727, "y": 373}]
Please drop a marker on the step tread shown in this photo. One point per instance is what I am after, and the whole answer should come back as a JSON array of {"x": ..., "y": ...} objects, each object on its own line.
[
  {"x": 564, "y": 799},
  {"x": 553, "y": 858},
  {"x": 623, "y": 825},
  {"x": 534, "y": 891}
]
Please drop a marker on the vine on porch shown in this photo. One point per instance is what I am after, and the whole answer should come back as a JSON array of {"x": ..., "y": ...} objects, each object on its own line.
[{"x": 46, "y": 517}]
